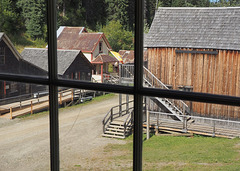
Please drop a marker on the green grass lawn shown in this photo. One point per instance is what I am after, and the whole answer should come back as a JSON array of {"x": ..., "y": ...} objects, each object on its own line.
[{"x": 183, "y": 153}]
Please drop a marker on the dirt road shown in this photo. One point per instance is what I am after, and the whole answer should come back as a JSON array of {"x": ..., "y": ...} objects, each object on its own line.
[{"x": 24, "y": 143}]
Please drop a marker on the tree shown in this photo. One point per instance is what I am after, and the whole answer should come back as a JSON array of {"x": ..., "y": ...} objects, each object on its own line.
[
  {"x": 33, "y": 12},
  {"x": 118, "y": 37},
  {"x": 123, "y": 11},
  {"x": 10, "y": 21}
]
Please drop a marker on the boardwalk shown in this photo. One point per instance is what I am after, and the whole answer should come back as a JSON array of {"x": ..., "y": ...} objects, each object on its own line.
[{"x": 15, "y": 109}]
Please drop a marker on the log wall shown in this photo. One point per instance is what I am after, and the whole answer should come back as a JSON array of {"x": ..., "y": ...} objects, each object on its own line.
[{"x": 207, "y": 73}]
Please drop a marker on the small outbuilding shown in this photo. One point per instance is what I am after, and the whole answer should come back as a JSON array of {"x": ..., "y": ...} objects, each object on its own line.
[{"x": 72, "y": 64}]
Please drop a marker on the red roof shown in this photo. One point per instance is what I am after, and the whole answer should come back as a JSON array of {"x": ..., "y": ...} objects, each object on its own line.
[
  {"x": 72, "y": 38},
  {"x": 103, "y": 58}
]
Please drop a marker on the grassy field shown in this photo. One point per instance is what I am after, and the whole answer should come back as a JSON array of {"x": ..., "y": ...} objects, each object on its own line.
[{"x": 181, "y": 153}]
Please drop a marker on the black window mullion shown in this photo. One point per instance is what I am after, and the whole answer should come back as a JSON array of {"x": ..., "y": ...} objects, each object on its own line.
[
  {"x": 53, "y": 91},
  {"x": 138, "y": 80}
]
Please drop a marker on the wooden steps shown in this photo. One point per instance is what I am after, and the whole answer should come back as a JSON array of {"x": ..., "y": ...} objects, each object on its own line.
[{"x": 116, "y": 130}]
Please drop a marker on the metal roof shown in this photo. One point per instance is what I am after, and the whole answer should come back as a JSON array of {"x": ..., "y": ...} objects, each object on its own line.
[
  {"x": 76, "y": 39},
  {"x": 103, "y": 58},
  {"x": 214, "y": 28}
]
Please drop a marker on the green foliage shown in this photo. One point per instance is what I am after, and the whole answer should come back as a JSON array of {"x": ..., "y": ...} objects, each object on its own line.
[
  {"x": 33, "y": 12},
  {"x": 123, "y": 11},
  {"x": 9, "y": 22},
  {"x": 117, "y": 36}
]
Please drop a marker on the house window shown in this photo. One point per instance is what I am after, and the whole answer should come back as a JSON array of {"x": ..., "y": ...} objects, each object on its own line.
[
  {"x": 2, "y": 55},
  {"x": 100, "y": 47}
]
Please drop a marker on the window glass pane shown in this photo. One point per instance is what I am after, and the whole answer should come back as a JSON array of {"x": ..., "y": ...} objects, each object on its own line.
[
  {"x": 94, "y": 38},
  {"x": 92, "y": 132},
  {"x": 24, "y": 127},
  {"x": 23, "y": 31},
  {"x": 185, "y": 53},
  {"x": 180, "y": 136}
]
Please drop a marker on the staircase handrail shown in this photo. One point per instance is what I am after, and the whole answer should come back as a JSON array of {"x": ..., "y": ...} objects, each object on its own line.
[
  {"x": 183, "y": 106},
  {"x": 127, "y": 70},
  {"x": 128, "y": 121},
  {"x": 109, "y": 116},
  {"x": 112, "y": 78}
]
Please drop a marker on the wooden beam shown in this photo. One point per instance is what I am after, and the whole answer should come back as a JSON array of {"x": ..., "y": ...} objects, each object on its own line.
[{"x": 197, "y": 52}]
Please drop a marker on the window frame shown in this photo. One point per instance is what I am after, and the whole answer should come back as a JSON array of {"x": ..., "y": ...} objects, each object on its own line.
[
  {"x": 2, "y": 55},
  {"x": 138, "y": 91}
]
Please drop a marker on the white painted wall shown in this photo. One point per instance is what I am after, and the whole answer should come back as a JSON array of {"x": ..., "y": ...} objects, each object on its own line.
[{"x": 104, "y": 48}]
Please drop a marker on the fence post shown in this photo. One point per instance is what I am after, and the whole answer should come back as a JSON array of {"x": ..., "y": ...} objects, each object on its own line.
[
  {"x": 60, "y": 98},
  {"x": 31, "y": 108},
  {"x": 72, "y": 94},
  {"x": 148, "y": 124},
  {"x": 184, "y": 120},
  {"x": 38, "y": 97},
  {"x": 10, "y": 112},
  {"x": 111, "y": 114},
  {"x": 214, "y": 129}
]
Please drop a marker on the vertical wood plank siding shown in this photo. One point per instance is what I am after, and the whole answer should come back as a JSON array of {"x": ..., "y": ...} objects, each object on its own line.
[{"x": 207, "y": 73}]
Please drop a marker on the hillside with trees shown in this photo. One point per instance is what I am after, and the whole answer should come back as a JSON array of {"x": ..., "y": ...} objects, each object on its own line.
[{"x": 28, "y": 17}]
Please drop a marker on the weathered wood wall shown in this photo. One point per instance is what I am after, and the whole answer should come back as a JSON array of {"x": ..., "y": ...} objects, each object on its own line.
[{"x": 207, "y": 73}]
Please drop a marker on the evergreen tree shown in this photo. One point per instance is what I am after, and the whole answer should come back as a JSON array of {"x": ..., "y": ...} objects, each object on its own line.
[
  {"x": 10, "y": 22},
  {"x": 33, "y": 12}
]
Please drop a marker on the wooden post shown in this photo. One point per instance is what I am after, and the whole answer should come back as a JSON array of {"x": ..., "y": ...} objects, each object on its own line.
[
  {"x": 184, "y": 120},
  {"x": 10, "y": 112},
  {"x": 127, "y": 106},
  {"x": 72, "y": 94},
  {"x": 31, "y": 108},
  {"x": 60, "y": 98},
  {"x": 214, "y": 130},
  {"x": 102, "y": 73},
  {"x": 148, "y": 124}
]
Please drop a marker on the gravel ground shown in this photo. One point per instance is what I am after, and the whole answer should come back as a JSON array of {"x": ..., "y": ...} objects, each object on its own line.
[{"x": 24, "y": 143}]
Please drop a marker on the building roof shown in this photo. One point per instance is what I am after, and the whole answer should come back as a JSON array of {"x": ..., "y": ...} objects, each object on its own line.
[
  {"x": 8, "y": 42},
  {"x": 75, "y": 39},
  {"x": 127, "y": 56},
  {"x": 117, "y": 56},
  {"x": 103, "y": 58},
  {"x": 39, "y": 57},
  {"x": 213, "y": 28}
]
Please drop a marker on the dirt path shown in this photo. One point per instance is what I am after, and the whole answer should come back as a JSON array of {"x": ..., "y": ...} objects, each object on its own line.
[{"x": 24, "y": 143}]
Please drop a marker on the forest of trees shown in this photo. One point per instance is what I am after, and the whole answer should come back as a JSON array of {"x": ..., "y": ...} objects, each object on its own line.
[{"x": 28, "y": 17}]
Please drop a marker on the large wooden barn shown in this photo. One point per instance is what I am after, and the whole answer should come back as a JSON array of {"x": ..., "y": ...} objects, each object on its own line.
[{"x": 197, "y": 49}]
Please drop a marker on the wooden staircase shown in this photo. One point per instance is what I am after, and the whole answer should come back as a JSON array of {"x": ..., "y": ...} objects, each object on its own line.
[
  {"x": 116, "y": 130},
  {"x": 118, "y": 123}
]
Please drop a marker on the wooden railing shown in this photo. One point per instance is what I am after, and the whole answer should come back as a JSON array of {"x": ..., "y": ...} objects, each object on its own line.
[
  {"x": 153, "y": 81},
  {"x": 127, "y": 71},
  {"x": 33, "y": 103},
  {"x": 110, "y": 79},
  {"x": 128, "y": 121},
  {"x": 116, "y": 112}
]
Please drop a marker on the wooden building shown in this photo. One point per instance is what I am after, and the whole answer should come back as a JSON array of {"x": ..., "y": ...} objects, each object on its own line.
[
  {"x": 92, "y": 45},
  {"x": 72, "y": 64},
  {"x": 11, "y": 62},
  {"x": 198, "y": 49}
]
